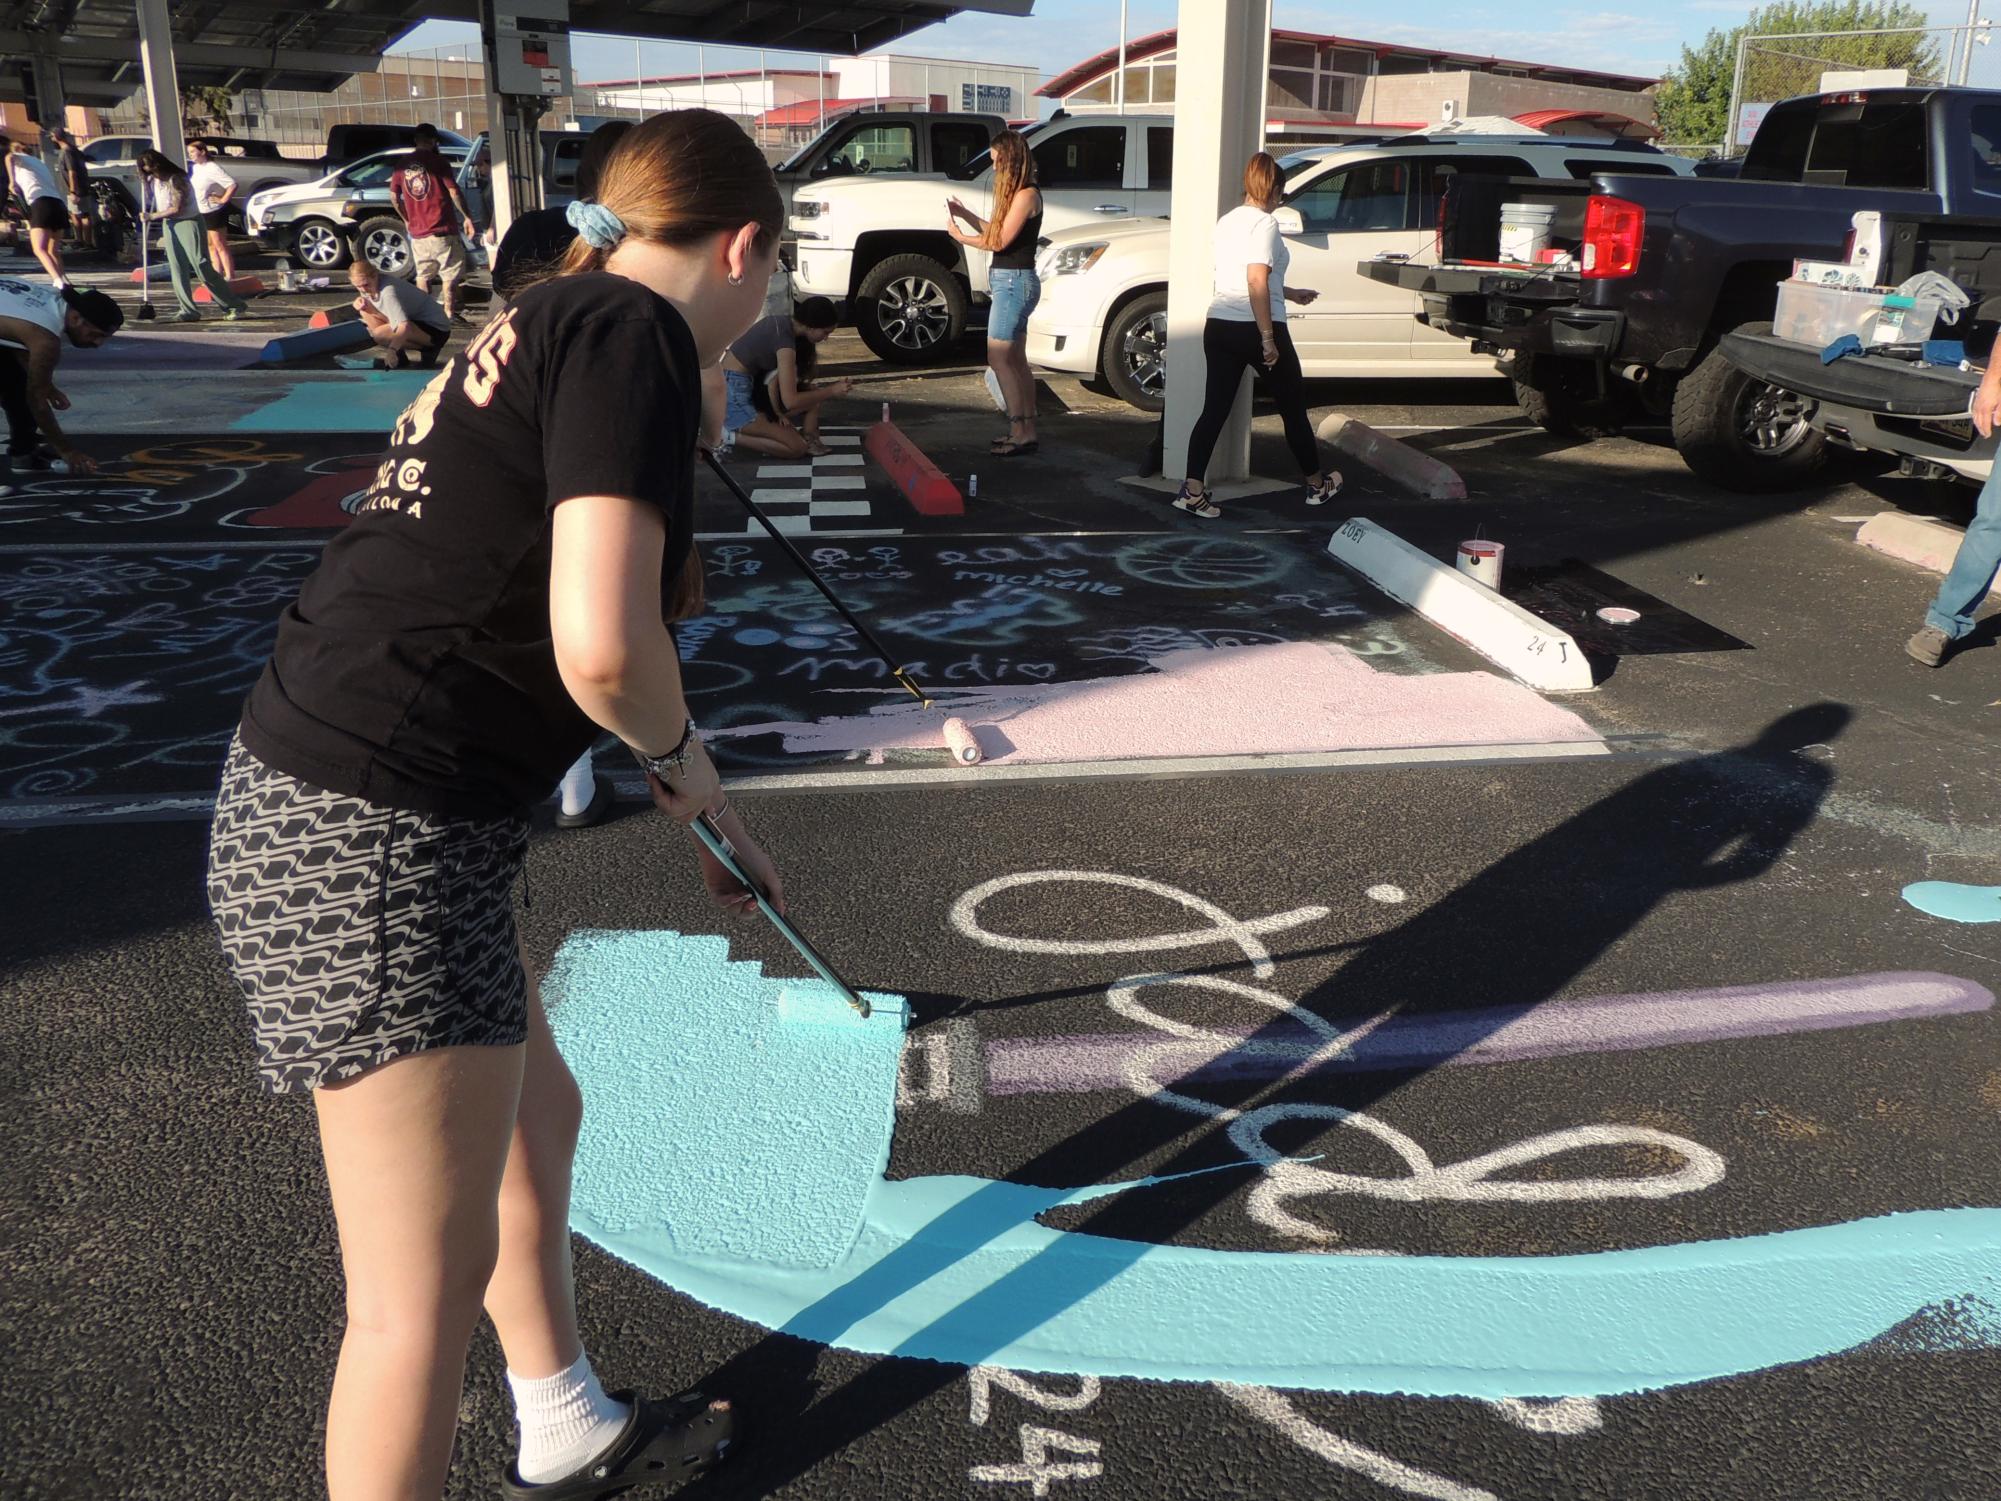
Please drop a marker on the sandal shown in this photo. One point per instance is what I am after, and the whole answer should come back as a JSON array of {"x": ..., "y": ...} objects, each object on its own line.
[
  {"x": 664, "y": 1441},
  {"x": 1013, "y": 450},
  {"x": 1006, "y": 439},
  {"x": 1196, "y": 503},
  {"x": 1329, "y": 487}
]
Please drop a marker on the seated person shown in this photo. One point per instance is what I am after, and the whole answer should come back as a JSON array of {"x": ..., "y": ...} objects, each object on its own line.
[
  {"x": 402, "y": 319},
  {"x": 769, "y": 354}
]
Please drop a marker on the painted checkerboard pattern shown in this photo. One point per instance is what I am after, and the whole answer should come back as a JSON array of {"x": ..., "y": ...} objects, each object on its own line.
[{"x": 819, "y": 496}]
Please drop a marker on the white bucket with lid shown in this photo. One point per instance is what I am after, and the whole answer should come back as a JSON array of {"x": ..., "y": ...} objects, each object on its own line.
[{"x": 1525, "y": 229}]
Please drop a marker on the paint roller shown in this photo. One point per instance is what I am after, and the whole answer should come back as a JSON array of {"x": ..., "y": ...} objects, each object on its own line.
[
  {"x": 959, "y": 740},
  {"x": 896, "y": 670},
  {"x": 837, "y": 1003}
]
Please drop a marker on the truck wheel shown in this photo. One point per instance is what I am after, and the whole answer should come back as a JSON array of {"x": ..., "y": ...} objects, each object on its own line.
[
  {"x": 1134, "y": 358},
  {"x": 319, "y": 246},
  {"x": 1743, "y": 434},
  {"x": 1561, "y": 396},
  {"x": 385, "y": 244},
  {"x": 910, "y": 309}
]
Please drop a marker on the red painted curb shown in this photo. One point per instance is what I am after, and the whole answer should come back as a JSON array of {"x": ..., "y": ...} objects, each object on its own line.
[
  {"x": 922, "y": 482},
  {"x": 242, "y": 286}
]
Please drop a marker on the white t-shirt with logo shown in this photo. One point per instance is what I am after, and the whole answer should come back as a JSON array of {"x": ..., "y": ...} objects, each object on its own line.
[
  {"x": 1245, "y": 237},
  {"x": 30, "y": 303},
  {"x": 211, "y": 184},
  {"x": 32, "y": 178}
]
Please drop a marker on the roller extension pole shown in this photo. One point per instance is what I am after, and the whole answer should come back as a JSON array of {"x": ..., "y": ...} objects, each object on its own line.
[{"x": 900, "y": 673}]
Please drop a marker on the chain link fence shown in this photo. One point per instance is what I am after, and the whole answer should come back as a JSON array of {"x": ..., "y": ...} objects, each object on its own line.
[{"x": 1773, "y": 68}]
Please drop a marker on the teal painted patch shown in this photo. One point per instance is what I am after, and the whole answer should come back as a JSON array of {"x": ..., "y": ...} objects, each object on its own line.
[
  {"x": 1954, "y": 902},
  {"x": 742, "y": 1160},
  {"x": 365, "y": 403}
]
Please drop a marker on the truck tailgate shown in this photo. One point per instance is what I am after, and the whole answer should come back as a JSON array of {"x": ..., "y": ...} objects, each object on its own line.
[{"x": 1897, "y": 388}]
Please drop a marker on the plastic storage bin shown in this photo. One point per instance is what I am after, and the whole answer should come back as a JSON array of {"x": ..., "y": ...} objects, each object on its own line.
[{"x": 1818, "y": 315}]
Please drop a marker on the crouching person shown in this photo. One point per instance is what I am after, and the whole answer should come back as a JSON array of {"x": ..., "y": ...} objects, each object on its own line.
[{"x": 402, "y": 319}]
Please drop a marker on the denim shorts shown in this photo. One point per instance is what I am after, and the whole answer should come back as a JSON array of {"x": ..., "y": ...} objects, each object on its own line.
[
  {"x": 739, "y": 406},
  {"x": 1015, "y": 294}
]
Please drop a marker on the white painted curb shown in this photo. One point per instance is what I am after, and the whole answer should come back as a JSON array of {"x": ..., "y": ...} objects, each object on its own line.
[
  {"x": 1395, "y": 460},
  {"x": 1521, "y": 644},
  {"x": 1914, "y": 539}
]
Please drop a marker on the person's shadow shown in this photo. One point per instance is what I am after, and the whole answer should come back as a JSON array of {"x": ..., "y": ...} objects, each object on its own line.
[{"x": 1517, "y": 934}]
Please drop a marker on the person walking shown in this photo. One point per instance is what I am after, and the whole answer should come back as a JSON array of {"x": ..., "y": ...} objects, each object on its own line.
[
  {"x": 42, "y": 201},
  {"x": 76, "y": 184},
  {"x": 501, "y": 598},
  {"x": 769, "y": 352},
  {"x": 215, "y": 190},
  {"x": 34, "y": 322},
  {"x": 1013, "y": 287},
  {"x": 1978, "y": 560},
  {"x": 1246, "y": 330},
  {"x": 427, "y": 195},
  {"x": 536, "y": 240},
  {"x": 169, "y": 198}
]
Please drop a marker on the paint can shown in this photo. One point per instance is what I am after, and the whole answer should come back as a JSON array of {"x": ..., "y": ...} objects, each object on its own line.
[
  {"x": 972, "y": 486},
  {"x": 885, "y": 411},
  {"x": 1481, "y": 561}
]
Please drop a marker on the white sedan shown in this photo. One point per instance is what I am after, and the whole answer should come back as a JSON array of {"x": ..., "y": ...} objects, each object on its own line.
[{"x": 1104, "y": 288}]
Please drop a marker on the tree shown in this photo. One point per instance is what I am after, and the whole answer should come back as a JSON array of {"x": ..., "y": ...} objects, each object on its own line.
[
  {"x": 205, "y": 108},
  {"x": 1693, "y": 102}
]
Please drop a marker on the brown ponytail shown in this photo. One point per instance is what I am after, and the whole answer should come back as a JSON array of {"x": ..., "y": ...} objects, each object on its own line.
[{"x": 680, "y": 177}]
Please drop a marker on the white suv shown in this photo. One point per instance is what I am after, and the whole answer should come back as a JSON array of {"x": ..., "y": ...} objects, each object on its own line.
[
  {"x": 1104, "y": 290},
  {"x": 879, "y": 244}
]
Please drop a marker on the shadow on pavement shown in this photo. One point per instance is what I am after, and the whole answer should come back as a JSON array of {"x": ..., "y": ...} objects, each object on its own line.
[{"x": 1553, "y": 906}]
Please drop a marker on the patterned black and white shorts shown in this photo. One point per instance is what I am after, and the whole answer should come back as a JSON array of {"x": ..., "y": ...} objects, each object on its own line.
[{"x": 361, "y": 933}]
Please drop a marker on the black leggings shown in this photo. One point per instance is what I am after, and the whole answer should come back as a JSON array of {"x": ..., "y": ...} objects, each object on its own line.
[{"x": 1231, "y": 347}]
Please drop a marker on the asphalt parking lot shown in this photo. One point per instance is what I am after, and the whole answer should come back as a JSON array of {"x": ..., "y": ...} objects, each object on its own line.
[{"x": 1518, "y": 1095}]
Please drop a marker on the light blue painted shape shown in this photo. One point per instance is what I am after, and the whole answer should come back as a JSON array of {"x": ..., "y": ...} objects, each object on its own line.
[
  {"x": 366, "y": 403},
  {"x": 741, "y": 1160},
  {"x": 1954, "y": 902}
]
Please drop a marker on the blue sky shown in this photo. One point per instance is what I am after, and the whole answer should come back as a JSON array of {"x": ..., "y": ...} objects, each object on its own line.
[{"x": 1642, "y": 38}]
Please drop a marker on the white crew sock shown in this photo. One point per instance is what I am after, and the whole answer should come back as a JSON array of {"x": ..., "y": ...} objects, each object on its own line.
[
  {"x": 579, "y": 784},
  {"x": 566, "y": 1421}
]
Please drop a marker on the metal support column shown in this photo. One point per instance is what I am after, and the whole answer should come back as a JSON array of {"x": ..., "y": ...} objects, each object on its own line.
[
  {"x": 1221, "y": 51},
  {"x": 163, "y": 85}
]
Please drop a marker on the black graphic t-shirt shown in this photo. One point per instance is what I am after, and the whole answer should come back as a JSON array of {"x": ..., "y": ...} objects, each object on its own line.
[{"x": 416, "y": 669}]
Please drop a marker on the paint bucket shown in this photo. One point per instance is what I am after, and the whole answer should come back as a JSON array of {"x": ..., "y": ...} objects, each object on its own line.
[
  {"x": 1525, "y": 230},
  {"x": 1481, "y": 561}
]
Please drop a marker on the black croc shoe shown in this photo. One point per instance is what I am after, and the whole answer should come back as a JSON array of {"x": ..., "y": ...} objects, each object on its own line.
[{"x": 664, "y": 1443}]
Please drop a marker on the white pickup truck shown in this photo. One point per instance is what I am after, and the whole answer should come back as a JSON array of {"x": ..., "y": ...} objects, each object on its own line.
[{"x": 880, "y": 246}]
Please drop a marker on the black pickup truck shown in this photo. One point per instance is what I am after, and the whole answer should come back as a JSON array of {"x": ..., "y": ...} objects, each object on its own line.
[
  {"x": 1914, "y": 413},
  {"x": 1664, "y": 268}
]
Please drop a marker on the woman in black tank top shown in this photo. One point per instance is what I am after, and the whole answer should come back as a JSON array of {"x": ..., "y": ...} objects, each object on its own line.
[{"x": 1011, "y": 234}]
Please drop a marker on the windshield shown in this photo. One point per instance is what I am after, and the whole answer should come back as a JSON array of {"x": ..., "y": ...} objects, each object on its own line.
[{"x": 985, "y": 159}]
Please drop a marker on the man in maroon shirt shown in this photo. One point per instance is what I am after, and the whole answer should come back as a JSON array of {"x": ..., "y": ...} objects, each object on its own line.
[{"x": 426, "y": 194}]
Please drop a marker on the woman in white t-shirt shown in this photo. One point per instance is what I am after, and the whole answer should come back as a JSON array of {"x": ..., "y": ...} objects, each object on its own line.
[
  {"x": 1246, "y": 331},
  {"x": 43, "y": 202}
]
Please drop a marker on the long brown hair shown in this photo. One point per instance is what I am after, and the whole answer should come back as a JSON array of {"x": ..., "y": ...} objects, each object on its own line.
[
  {"x": 680, "y": 177},
  {"x": 1014, "y": 169},
  {"x": 1261, "y": 179},
  {"x": 676, "y": 179}
]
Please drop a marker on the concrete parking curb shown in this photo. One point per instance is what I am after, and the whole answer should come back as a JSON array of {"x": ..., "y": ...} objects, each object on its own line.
[
  {"x": 1523, "y": 645},
  {"x": 1914, "y": 539},
  {"x": 1395, "y": 460}
]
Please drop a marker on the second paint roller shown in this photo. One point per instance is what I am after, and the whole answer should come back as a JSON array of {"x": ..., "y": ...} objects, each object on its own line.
[{"x": 959, "y": 740}]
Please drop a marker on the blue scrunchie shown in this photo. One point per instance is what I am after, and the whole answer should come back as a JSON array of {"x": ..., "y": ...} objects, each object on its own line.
[{"x": 599, "y": 226}]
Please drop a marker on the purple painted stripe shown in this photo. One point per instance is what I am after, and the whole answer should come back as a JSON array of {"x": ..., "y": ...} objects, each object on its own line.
[{"x": 1596, "y": 1024}]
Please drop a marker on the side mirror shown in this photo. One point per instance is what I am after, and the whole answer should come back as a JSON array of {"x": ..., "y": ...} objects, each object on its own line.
[
  {"x": 1290, "y": 221},
  {"x": 822, "y": 167}
]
